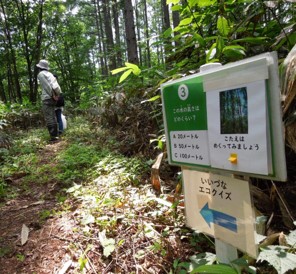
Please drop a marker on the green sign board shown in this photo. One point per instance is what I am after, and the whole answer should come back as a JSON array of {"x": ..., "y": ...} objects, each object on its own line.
[
  {"x": 186, "y": 105},
  {"x": 227, "y": 118},
  {"x": 186, "y": 117}
]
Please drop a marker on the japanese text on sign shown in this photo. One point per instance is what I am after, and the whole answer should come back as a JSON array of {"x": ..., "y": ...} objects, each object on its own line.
[
  {"x": 236, "y": 142},
  {"x": 216, "y": 188},
  {"x": 189, "y": 147}
]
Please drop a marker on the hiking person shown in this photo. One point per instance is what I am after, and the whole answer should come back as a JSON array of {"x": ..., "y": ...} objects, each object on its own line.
[{"x": 50, "y": 92}]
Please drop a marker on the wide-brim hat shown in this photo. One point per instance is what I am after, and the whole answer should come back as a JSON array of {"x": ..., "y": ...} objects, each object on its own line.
[{"x": 43, "y": 64}]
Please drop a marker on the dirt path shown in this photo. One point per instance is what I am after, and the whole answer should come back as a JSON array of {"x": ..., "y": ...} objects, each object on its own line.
[{"x": 46, "y": 249}]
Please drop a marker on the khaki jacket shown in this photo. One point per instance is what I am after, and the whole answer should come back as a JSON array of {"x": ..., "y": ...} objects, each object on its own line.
[{"x": 49, "y": 85}]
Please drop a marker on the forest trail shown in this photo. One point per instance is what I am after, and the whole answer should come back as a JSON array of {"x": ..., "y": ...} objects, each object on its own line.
[
  {"x": 44, "y": 251},
  {"x": 96, "y": 213},
  {"x": 111, "y": 224}
]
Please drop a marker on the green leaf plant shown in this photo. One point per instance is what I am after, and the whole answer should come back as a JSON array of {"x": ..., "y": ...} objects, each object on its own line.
[
  {"x": 128, "y": 69},
  {"x": 282, "y": 258}
]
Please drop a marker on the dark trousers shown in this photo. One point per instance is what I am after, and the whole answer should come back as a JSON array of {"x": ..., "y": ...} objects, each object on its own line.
[
  {"x": 48, "y": 108},
  {"x": 58, "y": 113}
]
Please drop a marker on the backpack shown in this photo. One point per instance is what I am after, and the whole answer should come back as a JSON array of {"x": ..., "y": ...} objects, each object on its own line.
[{"x": 61, "y": 101}]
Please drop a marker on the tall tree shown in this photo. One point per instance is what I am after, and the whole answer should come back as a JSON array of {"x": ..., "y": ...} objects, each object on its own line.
[
  {"x": 166, "y": 25},
  {"x": 146, "y": 29},
  {"x": 130, "y": 33},
  {"x": 11, "y": 64},
  {"x": 109, "y": 35},
  {"x": 100, "y": 38},
  {"x": 38, "y": 48},
  {"x": 138, "y": 29},
  {"x": 116, "y": 14}
]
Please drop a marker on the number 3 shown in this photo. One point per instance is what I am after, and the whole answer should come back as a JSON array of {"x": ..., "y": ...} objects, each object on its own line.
[{"x": 183, "y": 92}]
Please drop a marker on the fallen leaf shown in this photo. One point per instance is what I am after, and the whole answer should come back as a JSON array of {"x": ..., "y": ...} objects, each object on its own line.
[{"x": 24, "y": 234}]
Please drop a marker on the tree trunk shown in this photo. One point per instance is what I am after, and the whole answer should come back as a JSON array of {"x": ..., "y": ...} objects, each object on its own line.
[
  {"x": 21, "y": 14},
  {"x": 146, "y": 26},
  {"x": 176, "y": 22},
  {"x": 101, "y": 45},
  {"x": 138, "y": 26},
  {"x": 109, "y": 35},
  {"x": 117, "y": 33},
  {"x": 37, "y": 51},
  {"x": 13, "y": 77},
  {"x": 131, "y": 41},
  {"x": 2, "y": 92},
  {"x": 165, "y": 26}
]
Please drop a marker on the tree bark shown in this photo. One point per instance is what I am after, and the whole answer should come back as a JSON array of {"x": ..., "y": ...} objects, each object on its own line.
[
  {"x": 99, "y": 27},
  {"x": 14, "y": 87},
  {"x": 131, "y": 41},
  {"x": 165, "y": 26},
  {"x": 117, "y": 33},
  {"x": 37, "y": 51},
  {"x": 109, "y": 35},
  {"x": 146, "y": 26}
]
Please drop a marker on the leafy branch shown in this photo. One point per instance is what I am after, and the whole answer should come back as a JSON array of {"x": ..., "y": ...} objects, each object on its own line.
[{"x": 128, "y": 69}]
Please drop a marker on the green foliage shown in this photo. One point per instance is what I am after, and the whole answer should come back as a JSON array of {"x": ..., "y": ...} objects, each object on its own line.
[
  {"x": 45, "y": 214},
  {"x": 128, "y": 69},
  {"x": 3, "y": 187},
  {"x": 215, "y": 269},
  {"x": 128, "y": 169},
  {"x": 78, "y": 157},
  {"x": 3, "y": 111},
  {"x": 212, "y": 31},
  {"x": 5, "y": 250},
  {"x": 282, "y": 258},
  {"x": 20, "y": 257},
  {"x": 114, "y": 199},
  {"x": 108, "y": 244},
  {"x": 21, "y": 163},
  {"x": 92, "y": 95}
]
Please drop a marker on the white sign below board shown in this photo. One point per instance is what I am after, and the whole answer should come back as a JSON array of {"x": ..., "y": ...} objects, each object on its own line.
[{"x": 220, "y": 206}]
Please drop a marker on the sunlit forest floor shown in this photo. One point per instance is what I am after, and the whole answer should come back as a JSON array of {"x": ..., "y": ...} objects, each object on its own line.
[
  {"x": 81, "y": 206},
  {"x": 78, "y": 207}
]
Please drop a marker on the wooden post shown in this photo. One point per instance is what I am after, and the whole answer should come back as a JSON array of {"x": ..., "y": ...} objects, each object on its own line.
[{"x": 225, "y": 253}]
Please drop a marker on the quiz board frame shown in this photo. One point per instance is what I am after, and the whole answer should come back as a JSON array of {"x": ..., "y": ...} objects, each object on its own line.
[{"x": 190, "y": 120}]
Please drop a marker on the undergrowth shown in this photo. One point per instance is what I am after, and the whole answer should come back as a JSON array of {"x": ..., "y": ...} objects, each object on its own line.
[{"x": 121, "y": 224}]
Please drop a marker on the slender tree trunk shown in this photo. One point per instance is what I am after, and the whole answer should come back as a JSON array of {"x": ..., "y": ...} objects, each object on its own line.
[
  {"x": 117, "y": 33},
  {"x": 22, "y": 15},
  {"x": 166, "y": 25},
  {"x": 37, "y": 50},
  {"x": 98, "y": 36},
  {"x": 159, "y": 47},
  {"x": 103, "y": 50},
  {"x": 146, "y": 26},
  {"x": 11, "y": 58},
  {"x": 176, "y": 22},
  {"x": 2, "y": 92},
  {"x": 131, "y": 41},
  {"x": 138, "y": 25},
  {"x": 109, "y": 35}
]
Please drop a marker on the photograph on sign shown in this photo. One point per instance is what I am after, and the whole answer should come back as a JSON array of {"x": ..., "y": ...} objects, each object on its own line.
[
  {"x": 220, "y": 206},
  {"x": 234, "y": 111},
  {"x": 238, "y": 128}
]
